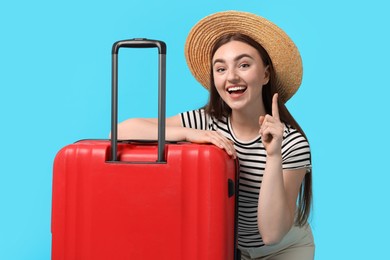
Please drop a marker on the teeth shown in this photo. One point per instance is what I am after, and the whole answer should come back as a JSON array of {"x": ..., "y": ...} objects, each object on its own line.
[{"x": 238, "y": 88}]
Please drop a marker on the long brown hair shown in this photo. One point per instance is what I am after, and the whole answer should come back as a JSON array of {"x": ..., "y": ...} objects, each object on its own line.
[{"x": 217, "y": 108}]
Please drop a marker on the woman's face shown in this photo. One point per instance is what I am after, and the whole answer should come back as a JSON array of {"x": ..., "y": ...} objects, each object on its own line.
[{"x": 239, "y": 75}]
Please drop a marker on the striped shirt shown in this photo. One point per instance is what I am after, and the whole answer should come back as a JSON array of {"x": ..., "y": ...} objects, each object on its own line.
[{"x": 252, "y": 158}]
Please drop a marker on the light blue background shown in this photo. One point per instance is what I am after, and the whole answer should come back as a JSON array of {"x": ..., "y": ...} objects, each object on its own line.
[{"x": 55, "y": 89}]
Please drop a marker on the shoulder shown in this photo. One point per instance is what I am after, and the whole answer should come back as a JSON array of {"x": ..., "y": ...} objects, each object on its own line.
[
  {"x": 295, "y": 149},
  {"x": 193, "y": 115},
  {"x": 197, "y": 118},
  {"x": 292, "y": 135}
]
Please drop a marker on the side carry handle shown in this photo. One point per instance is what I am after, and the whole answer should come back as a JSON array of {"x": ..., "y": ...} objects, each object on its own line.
[{"x": 162, "y": 50}]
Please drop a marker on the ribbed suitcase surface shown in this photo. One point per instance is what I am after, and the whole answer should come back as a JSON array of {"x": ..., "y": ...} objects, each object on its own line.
[{"x": 138, "y": 209}]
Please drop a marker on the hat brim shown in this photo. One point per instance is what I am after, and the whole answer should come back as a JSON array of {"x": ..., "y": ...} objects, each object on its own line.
[{"x": 284, "y": 54}]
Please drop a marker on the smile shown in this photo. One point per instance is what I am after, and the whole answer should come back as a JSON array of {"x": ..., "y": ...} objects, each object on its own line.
[{"x": 236, "y": 89}]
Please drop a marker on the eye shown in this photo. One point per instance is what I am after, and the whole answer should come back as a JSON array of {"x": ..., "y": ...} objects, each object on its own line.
[
  {"x": 220, "y": 69},
  {"x": 244, "y": 65}
]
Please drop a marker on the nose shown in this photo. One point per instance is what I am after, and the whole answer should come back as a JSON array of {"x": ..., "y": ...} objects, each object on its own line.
[{"x": 233, "y": 76}]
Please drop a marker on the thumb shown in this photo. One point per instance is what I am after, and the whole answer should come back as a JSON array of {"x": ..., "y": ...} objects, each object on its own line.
[{"x": 261, "y": 120}]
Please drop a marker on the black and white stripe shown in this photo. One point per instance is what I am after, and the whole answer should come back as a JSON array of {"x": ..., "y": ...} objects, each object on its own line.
[{"x": 252, "y": 158}]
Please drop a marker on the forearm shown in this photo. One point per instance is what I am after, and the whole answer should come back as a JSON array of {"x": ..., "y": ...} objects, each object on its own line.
[
  {"x": 146, "y": 129},
  {"x": 275, "y": 218}
]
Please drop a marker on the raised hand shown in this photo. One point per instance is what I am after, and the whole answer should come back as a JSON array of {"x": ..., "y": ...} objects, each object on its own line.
[{"x": 271, "y": 129}]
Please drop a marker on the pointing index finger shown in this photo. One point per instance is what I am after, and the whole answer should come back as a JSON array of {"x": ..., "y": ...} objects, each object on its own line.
[{"x": 275, "y": 108}]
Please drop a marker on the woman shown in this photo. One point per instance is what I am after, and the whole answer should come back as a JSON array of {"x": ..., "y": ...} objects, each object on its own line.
[{"x": 251, "y": 68}]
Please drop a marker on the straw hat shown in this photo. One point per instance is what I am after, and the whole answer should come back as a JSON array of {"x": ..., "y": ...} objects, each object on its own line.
[{"x": 284, "y": 54}]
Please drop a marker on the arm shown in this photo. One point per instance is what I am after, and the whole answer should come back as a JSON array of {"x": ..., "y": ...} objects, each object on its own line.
[
  {"x": 277, "y": 200},
  {"x": 279, "y": 189},
  {"x": 146, "y": 128}
]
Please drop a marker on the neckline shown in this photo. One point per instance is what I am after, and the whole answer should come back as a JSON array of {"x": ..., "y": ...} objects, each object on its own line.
[{"x": 230, "y": 128}]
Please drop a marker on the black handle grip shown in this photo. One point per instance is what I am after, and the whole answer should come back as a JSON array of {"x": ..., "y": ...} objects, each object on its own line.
[
  {"x": 162, "y": 49},
  {"x": 140, "y": 43}
]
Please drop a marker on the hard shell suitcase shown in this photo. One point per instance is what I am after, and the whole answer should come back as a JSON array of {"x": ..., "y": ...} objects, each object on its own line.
[{"x": 137, "y": 200}]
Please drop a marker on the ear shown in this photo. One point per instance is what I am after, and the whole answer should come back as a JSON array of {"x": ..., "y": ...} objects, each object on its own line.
[{"x": 266, "y": 75}]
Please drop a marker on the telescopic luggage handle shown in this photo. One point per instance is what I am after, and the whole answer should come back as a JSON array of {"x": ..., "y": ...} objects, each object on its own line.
[{"x": 162, "y": 50}]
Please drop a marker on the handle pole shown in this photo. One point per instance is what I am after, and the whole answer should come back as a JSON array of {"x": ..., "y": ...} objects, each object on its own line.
[
  {"x": 114, "y": 108},
  {"x": 161, "y": 108},
  {"x": 139, "y": 43}
]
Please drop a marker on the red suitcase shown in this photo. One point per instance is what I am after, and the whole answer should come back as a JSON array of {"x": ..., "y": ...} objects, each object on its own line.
[{"x": 134, "y": 200}]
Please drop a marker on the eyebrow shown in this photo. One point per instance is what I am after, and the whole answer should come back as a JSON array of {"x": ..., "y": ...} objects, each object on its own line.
[{"x": 235, "y": 59}]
